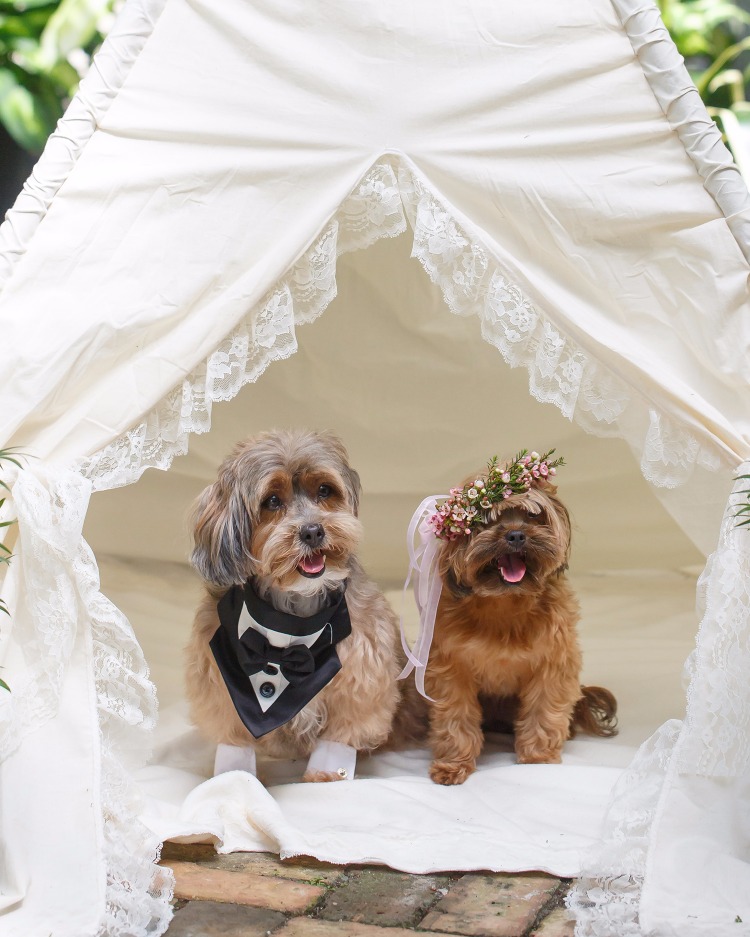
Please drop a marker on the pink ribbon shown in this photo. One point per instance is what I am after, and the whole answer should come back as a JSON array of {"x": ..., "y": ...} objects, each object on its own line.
[{"x": 423, "y": 565}]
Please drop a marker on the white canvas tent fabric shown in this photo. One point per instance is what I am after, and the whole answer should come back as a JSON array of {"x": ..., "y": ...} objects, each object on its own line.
[{"x": 563, "y": 184}]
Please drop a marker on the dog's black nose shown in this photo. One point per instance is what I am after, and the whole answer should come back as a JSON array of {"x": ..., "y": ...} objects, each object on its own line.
[
  {"x": 516, "y": 538},
  {"x": 312, "y": 534}
]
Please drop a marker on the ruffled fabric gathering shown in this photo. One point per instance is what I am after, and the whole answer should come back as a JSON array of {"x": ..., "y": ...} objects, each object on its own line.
[
  {"x": 96, "y": 92},
  {"x": 678, "y": 98}
]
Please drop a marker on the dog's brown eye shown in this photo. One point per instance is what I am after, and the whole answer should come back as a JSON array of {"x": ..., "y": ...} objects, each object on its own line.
[
  {"x": 272, "y": 504},
  {"x": 325, "y": 491}
]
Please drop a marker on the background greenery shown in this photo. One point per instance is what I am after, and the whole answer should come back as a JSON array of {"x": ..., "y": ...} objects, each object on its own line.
[{"x": 46, "y": 47}]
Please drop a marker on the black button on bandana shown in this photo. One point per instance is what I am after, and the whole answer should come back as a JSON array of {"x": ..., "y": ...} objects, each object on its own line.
[{"x": 307, "y": 669}]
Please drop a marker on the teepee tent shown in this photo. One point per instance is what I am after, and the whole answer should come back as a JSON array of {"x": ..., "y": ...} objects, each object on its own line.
[{"x": 213, "y": 185}]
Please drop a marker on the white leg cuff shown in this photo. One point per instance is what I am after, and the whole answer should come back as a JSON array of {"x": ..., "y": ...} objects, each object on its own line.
[
  {"x": 334, "y": 758},
  {"x": 234, "y": 758}
]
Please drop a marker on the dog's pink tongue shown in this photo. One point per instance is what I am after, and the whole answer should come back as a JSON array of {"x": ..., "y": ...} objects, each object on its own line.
[
  {"x": 512, "y": 567},
  {"x": 313, "y": 564}
]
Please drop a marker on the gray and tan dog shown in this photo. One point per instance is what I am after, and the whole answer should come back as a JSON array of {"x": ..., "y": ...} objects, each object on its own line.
[{"x": 275, "y": 542}]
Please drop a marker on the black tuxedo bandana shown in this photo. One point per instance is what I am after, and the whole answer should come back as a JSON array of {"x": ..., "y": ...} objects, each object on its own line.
[{"x": 274, "y": 663}]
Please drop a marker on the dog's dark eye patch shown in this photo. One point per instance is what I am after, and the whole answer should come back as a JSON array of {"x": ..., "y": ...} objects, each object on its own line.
[
  {"x": 320, "y": 487},
  {"x": 272, "y": 503}
]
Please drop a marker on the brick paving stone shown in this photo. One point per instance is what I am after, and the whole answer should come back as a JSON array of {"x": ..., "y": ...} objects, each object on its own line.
[
  {"x": 556, "y": 924},
  {"x": 216, "y": 919},
  {"x": 311, "y": 927},
  {"x": 194, "y": 881},
  {"x": 187, "y": 852},
  {"x": 302, "y": 869},
  {"x": 492, "y": 905},
  {"x": 384, "y": 897}
]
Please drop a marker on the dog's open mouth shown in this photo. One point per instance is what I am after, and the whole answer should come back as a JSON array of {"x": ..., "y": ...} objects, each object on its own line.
[
  {"x": 312, "y": 566},
  {"x": 512, "y": 567}
]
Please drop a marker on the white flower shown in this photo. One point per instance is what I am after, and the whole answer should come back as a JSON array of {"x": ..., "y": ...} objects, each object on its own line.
[
  {"x": 479, "y": 483},
  {"x": 472, "y": 493},
  {"x": 535, "y": 456}
]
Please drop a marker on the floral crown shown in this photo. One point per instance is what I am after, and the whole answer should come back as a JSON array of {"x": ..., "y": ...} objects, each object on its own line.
[{"x": 467, "y": 507}]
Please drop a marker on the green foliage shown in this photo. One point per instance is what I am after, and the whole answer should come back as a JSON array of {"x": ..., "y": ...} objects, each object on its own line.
[
  {"x": 743, "y": 507},
  {"x": 713, "y": 36},
  {"x": 6, "y": 455},
  {"x": 45, "y": 46}
]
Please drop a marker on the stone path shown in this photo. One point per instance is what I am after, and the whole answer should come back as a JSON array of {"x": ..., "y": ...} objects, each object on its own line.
[{"x": 258, "y": 895}]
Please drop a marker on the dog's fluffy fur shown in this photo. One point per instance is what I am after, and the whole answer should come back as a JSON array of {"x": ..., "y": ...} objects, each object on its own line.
[
  {"x": 248, "y": 525},
  {"x": 507, "y": 652}
]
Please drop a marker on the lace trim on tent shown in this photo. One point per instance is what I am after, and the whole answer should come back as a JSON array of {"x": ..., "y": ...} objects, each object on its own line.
[
  {"x": 717, "y": 740},
  {"x": 712, "y": 741},
  {"x": 61, "y": 579},
  {"x": 373, "y": 210},
  {"x": 472, "y": 283},
  {"x": 50, "y": 524},
  {"x": 606, "y": 898},
  {"x": 138, "y": 891}
]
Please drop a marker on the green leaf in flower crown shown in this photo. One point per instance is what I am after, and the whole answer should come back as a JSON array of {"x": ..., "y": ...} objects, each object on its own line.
[{"x": 4, "y": 685}]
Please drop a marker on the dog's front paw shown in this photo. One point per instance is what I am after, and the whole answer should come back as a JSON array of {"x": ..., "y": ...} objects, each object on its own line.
[
  {"x": 317, "y": 776},
  {"x": 451, "y": 772}
]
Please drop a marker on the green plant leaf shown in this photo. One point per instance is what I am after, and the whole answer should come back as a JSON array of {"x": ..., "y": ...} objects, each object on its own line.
[
  {"x": 71, "y": 26},
  {"x": 24, "y": 117},
  {"x": 4, "y": 685},
  {"x": 22, "y": 6}
]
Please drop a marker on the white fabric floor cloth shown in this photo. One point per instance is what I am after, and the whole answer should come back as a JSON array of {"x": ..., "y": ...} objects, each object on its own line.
[{"x": 506, "y": 816}]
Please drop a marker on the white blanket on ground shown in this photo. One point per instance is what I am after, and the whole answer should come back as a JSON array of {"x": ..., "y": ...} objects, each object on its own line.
[{"x": 506, "y": 817}]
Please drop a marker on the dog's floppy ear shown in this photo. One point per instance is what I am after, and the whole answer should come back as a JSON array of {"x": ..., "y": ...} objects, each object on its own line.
[
  {"x": 222, "y": 531},
  {"x": 353, "y": 486},
  {"x": 451, "y": 563},
  {"x": 349, "y": 476},
  {"x": 559, "y": 521}
]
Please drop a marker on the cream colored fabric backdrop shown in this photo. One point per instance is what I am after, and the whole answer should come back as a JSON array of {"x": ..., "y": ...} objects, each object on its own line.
[{"x": 182, "y": 226}]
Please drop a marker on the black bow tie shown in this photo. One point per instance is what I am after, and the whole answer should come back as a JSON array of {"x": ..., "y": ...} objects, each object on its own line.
[{"x": 254, "y": 653}]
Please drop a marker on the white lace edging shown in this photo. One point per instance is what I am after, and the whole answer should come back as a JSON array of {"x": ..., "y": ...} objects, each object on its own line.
[
  {"x": 61, "y": 589},
  {"x": 713, "y": 741},
  {"x": 673, "y": 88},
  {"x": 717, "y": 738},
  {"x": 605, "y": 899},
  {"x": 50, "y": 525},
  {"x": 373, "y": 210},
  {"x": 472, "y": 283},
  {"x": 138, "y": 891}
]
